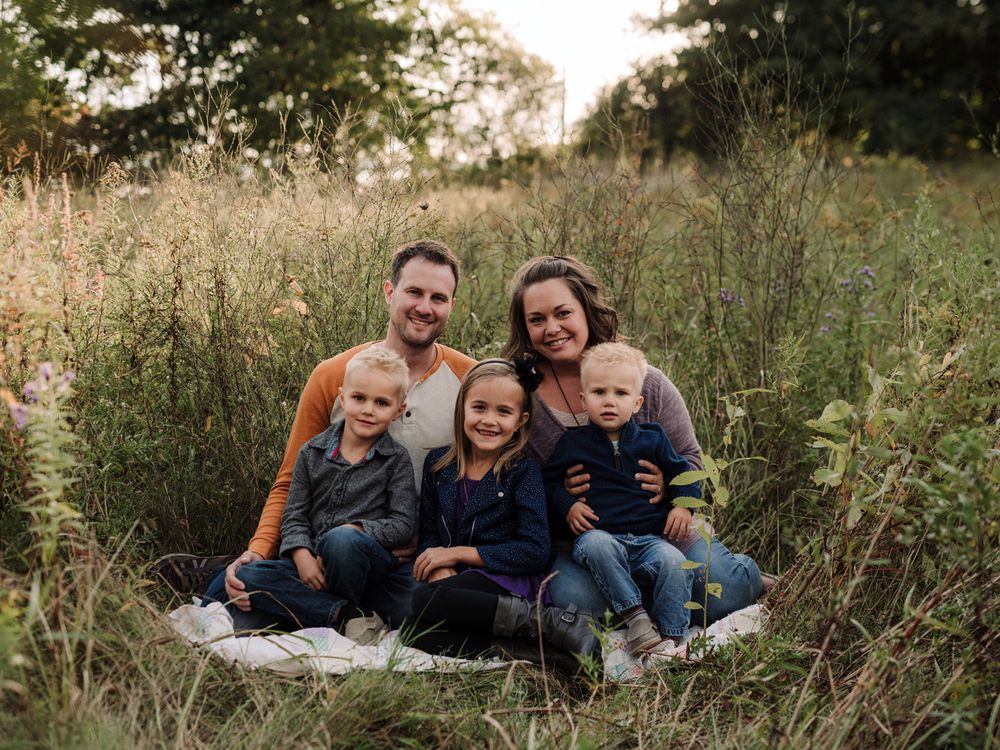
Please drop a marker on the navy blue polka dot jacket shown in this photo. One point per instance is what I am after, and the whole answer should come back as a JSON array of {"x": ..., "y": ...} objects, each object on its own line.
[{"x": 505, "y": 519}]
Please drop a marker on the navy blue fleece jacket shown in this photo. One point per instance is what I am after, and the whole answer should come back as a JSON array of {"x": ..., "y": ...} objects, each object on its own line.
[{"x": 614, "y": 494}]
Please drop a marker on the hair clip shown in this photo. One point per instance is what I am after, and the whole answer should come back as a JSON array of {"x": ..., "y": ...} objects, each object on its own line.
[{"x": 527, "y": 374}]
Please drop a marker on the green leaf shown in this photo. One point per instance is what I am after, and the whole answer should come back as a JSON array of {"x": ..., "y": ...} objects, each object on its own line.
[
  {"x": 689, "y": 502},
  {"x": 821, "y": 442},
  {"x": 687, "y": 477},
  {"x": 828, "y": 427},
  {"x": 690, "y": 565},
  {"x": 854, "y": 512},
  {"x": 715, "y": 589},
  {"x": 692, "y": 605},
  {"x": 711, "y": 468},
  {"x": 836, "y": 411},
  {"x": 826, "y": 476},
  {"x": 721, "y": 496}
]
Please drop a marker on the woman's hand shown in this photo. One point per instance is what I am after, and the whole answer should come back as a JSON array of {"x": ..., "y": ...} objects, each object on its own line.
[
  {"x": 433, "y": 559},
  {"x": 652, "y": 480},
  {"x": 236, "y": 590},
  {"x": 577, "y": 481},
  {"x": 678, "y": 525},
  {"x": 310, "y": 568},
  {"x": 580, "y": 516}
]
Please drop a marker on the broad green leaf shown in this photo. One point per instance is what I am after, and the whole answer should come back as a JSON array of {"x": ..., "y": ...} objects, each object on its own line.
[
  {"x": 689, "y": 502},
  {"x": 686, "y": 477},
  {"x": 721, "y": 496},
  {"x": 836, "y": 411},
  {"x": 821, "y": 442},
  {"x": 896, "y": 415},
  {"x": 690, "y": 565},
  {"x": 826, "y": 476},
  {"x": 715, "y": 589},
  {"x": 828, "y": 427},
  {"x": 854, "y": 512},
  {"x": 704, "y": 533},
  {"x": 711, "y": 468},
  {"x": 692, "y": 605}
]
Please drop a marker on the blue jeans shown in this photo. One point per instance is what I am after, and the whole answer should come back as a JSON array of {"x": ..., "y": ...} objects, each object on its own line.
[
  {"x": 358, "y": 571},
  {"x": 738, "y": 574},
  {"x": 620, "y": 563}
]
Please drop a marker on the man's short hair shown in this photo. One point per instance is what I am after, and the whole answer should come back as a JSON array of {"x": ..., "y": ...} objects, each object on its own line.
[
  {"x": 385, "y": 361},
  {"x": 430, "y": 250},
  {"x": 614, "y": 354}
]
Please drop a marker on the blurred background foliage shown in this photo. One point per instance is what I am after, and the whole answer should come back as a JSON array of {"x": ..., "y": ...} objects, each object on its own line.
[{"x": 123, "y": 79}]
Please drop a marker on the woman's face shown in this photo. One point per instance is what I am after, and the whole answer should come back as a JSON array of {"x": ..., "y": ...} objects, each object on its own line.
[{"x": 556, "y": 321}]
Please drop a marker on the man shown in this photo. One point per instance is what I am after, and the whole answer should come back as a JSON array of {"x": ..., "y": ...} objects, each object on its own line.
[{"x": 420, "y": 293}]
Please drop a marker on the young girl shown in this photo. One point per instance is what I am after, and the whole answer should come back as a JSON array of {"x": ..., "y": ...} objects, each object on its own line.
[{"x": 484, "y": 534}]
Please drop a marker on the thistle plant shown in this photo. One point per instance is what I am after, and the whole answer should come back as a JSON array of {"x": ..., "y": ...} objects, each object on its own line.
[{"x": 47, "y": 443}]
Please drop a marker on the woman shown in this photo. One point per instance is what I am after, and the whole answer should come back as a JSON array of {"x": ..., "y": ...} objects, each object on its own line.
[{"x": 556, "y": 312}]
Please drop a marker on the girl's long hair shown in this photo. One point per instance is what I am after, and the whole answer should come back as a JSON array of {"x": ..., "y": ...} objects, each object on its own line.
[
  {"x": 602, "y": 319},
  {"x": 461, "y": 450}
]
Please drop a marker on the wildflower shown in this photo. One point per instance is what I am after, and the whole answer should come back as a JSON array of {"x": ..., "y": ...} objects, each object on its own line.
[
  {"x": 18, "y": 411},
  {"x": 868, "y": 283},
  {"x": 869, "y": 313},
  {"x": 45, "y": 371},
  {"x": 867, "y": 271},
  {"x": 824, "y": 329},
  {"x": 728, "y": 297},
  {"x": 742, "y": 303},
  {"x": 828, "y": 315},
  {"x": 846, "y": 282}
]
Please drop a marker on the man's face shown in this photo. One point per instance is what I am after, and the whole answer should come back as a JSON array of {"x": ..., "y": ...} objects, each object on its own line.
[
  {"x": 611, "y": 396},
  {"x": 420, "y": 303}
]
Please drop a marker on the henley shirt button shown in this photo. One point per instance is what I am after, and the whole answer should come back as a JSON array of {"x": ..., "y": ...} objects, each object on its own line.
[
  {"x": 499, "y": 494},
  {"x": 407, "y": 413}
]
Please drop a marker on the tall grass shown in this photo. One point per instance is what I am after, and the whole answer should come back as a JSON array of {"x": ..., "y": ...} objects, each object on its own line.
[{"x": 849, "y": 311}]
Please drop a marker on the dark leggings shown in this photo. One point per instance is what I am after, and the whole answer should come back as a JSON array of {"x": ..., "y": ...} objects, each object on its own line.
[{"x": 454, "y": 616}]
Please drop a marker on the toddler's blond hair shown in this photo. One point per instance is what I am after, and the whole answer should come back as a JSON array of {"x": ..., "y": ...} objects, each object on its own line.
[
  {"x": 384, "y": 361},
  {"x": 614, "y": 354}
]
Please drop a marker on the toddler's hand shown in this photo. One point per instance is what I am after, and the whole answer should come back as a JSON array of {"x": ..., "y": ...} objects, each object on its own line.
[
  {"x": 310, "y": 569},
  {"x": 678, "y": 525},
  {"x": 580, "y": 516}
]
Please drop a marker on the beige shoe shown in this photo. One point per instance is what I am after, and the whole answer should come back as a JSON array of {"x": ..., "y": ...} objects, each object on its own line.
[
  {"x": 669, "y": 649},
  {"x": 366, "y": 631},
  {"x": 642, "y": 635}
]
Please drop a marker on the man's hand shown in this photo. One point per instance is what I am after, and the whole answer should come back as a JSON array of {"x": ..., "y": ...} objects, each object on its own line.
[
  {"x": 431, "y": 560},
  {"x": 437, "y": 575},
  {"x": 576, "y": 480},
  {"x": 678, "y": 525},
  {"x": 580, "y": 516},
  {"x": 652, "y": 480},
  {"x": 235, "y": 588},
  {"x": 407, "y": 553},
  {"x": 310, "y": 568}
]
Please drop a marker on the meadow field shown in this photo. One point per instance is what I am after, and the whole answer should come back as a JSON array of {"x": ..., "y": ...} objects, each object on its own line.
[{"x": 832, "y": 321}]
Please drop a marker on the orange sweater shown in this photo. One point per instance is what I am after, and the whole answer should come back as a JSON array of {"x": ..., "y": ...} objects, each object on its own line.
[{"x": 426, "y": 423}]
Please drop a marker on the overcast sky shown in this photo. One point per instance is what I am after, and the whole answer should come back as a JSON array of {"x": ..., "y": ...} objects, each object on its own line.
[{"x": 593, "y": 42}]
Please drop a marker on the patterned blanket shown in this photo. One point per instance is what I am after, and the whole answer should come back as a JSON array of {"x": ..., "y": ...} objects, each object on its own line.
[{"x": 326, "y": 650}]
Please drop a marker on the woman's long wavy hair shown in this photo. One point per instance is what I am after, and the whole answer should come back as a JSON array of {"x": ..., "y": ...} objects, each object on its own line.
[
  {"x": 602, "y": 319},
  {"x": 461, "y": 450}
]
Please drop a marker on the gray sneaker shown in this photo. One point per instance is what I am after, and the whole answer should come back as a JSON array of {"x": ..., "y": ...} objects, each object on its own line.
[
  {"x": 642, "y": 635},
  {"x": 366, "y": 631}
]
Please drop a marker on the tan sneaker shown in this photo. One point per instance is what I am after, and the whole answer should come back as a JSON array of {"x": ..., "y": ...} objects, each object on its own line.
[
  {"x": 641, "y": 635},
  {"x": 366, "y": 631}
]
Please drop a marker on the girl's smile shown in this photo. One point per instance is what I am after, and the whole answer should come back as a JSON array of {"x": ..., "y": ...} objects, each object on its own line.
[{"x": 493, "y": 413}]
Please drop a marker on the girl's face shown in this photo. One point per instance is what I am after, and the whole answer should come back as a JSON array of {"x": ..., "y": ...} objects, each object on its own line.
[
  {"x": 494, "y": 410},
  {"x": 556, "y": 321}
]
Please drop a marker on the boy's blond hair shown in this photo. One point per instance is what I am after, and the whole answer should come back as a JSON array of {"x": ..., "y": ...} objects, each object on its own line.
[
  {"x": 382, "y": 360},
  {"x": 614, "y": 354}
]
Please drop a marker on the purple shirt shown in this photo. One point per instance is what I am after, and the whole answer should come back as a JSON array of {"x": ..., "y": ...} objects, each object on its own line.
[{"x": 523, "y": 586}]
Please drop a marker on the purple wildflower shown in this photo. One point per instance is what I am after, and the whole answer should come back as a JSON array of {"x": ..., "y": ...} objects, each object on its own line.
[
  {"x": 742, "y": 303},
  {"x": 30, "y": 390},
  {"x": 868, "y": 283},
  {"x": 45, "y": 371},
  {"x": 869, "y": 313},
  {"x": 846, "y": 282},
  {"x": 828, "y": 315},
  {"x": 824, "y": 329},
  {"x": 727, "y": 296},
  {"x": 19, "y": 413},
  {"x": 867, "y": 271}
]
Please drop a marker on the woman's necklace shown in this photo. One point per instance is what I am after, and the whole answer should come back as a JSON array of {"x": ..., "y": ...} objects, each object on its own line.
[{"x": 563, "y": 394}]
